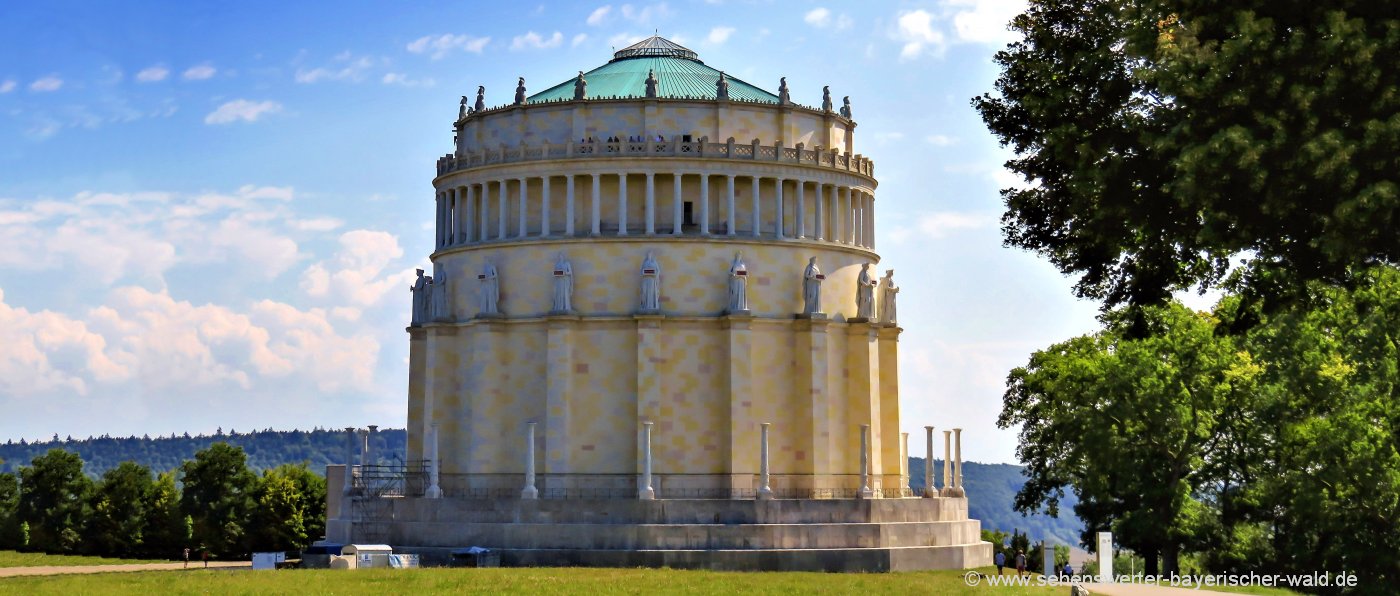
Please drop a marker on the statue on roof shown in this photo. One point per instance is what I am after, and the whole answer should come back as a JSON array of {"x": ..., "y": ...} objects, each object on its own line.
[
  {"x": 462, "y": 109},
  {"x": 651, "y": 83},
  {"x": 826, "y": 98},
  {"x": 580, "y": 87},
  {"x": 722, "y": 87},
  {"x": 783, "y": 97},
  {"x": 480, "y": 98},
  {"x": 520, "y": 92},
  {"x": 846, "y": 107}
]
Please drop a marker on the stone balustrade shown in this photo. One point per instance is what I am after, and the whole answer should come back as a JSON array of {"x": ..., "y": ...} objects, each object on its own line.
[{"x": 703, "y": 149}]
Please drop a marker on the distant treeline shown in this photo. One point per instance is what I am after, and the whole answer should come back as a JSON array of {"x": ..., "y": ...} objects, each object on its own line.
[
  {"x": 212, "y": 503},
  {"x": 265, "y": 449},
  {"x": 991, "y": 493}
]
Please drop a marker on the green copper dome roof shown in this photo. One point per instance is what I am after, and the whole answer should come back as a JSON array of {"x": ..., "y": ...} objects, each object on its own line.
[{"x": 679, "y": 74}]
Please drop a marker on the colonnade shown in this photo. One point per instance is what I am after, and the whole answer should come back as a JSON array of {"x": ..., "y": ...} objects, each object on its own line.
[{"x": 482, "y": 211}]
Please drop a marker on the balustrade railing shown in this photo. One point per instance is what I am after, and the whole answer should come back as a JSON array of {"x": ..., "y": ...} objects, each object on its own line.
[
  {"x": 703, "y": 148},
  {"x": 412, "y": 481}
]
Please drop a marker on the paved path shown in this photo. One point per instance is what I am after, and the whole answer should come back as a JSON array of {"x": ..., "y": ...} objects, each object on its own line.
[
  {"x": 66, "y": 569},
  {"x": 1140, "y": 590}
]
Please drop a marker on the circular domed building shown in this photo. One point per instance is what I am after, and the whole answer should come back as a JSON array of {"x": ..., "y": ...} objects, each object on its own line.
[{"x": 654, "y": 334}]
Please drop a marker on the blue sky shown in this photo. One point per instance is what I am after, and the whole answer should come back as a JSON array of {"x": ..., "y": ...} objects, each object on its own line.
[{"x": 210, "y": 213}]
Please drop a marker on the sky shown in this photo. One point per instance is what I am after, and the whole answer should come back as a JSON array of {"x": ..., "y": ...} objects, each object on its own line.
[{"x": 210, "y": 214}]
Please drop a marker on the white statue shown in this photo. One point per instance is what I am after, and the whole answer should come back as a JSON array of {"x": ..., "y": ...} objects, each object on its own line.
[
  {"x": 490, "y": 290},
  {"x": 563, "y": 285},
  {"x": 738, "y": 285},
  {"x": 419, "y": 291},
  {"x": 439, "y": 310},
  {"x": 887, "y": 295},
  {"x": 812, "y": 288},
  {"x": 651, "y": 284},
  {"x": 865, "y": 293}
]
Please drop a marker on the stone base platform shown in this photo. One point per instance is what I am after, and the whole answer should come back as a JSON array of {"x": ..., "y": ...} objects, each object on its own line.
[{"x": 872, "y": 535}]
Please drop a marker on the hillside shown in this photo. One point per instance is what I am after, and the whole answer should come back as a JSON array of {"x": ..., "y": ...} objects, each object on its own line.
[{"x": 992, "y": 487}]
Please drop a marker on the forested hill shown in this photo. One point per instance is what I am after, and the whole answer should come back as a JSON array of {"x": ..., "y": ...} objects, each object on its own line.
[
  {"x": 992, "y": 487},
  {"x": 266, "y": 449}
]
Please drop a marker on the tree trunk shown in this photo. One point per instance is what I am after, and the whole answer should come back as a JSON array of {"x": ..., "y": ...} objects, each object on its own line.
[
  {"x": 1169, "y": 559},
  {"x": 1149, "y": 562}
]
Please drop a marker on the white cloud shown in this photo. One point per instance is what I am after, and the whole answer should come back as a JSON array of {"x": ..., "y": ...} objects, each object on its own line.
[
  {"x": 199, "y": 73},
  {"x": 719, "y": 35},
  {"x": 818, "y": 17},
  {"x": 7, "y": 86},
  {"x": 398, "y": 78},
  {"x": 48, "y": 83},
  {"x": 985, "y": 21},
  {"x": 915, "y": 31},
  {"x": 242, "y": 109},
  {"x": 622, "y": 40},
  {"x": 599, "y": 15},
  {"x": 533, "y": 41},
  {"x": 151, "y": 74},
  {"x": 442, "y": 45},
  {"x": 359, "y": 275},
  {"x": 941, "y": 224},
  {"x": 345, "y": 67},
  {"x": 645, "y": 15},
  {"x": 578, "y": 40},
  {"x": 940, "y": 140}
]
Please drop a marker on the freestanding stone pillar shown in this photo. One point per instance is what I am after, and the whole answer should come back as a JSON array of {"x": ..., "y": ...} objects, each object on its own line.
[
  {"x": 645, "y": 492},
  {"x": 947, "y": 464},
  {"x": 957, "y": 455},
  {"x": 764, "y": 491},
  {"x": 349, "y": 472},
  {"x": 865, "y": 492},
  {"x": 529, "y": 492},
  {"x": 369, "y": 445},
  {"x": 929, "y": 490},
  {"x": 904, "y": 460},
  {"x": 434, "y": 491}
]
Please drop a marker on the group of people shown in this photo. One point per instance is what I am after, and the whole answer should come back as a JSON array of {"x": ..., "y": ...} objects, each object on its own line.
[
  {"x": 1065, "y": 572},
  {"x": 630, "y": 139}
]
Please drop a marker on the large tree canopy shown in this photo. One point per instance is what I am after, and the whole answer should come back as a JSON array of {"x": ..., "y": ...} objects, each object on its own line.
[{"x": 1164, "y": 138}]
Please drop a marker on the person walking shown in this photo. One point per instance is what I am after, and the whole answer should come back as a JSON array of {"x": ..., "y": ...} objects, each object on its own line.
[
  {"x": 1020, "y": 563},
  {"x": 205, "y": 555},
  {"x": 187, "y": 557},
  {"x": 1000, "y": 561}
]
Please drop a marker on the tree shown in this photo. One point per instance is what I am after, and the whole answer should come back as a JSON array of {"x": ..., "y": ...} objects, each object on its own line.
[
  {"x": 291, "y": 508},
  {"x": 1165, "y": 138},
  {"x": 1129, "y": 424},
  {"x": 53, "y": 501},
  {"x": 9, "y": 512},
  {"x": 168, "y": 530},
  {"x": 218, "y": 495},
  {"x": 118, "y": 526}
]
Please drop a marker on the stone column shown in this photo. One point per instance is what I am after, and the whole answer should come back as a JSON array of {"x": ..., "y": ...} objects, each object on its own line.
[
  {"x": 821, "y": 220},
  {"x": 469, "y": 226},
  {"x": 704, "y": 203},
  {"x": 370, "y": 455},
  {"x": 645, "y": 492},
  {"x": 801, "y": 208},
  {"x": 524, "y": 201},
  {"x": 957, "y": 456},
  {"x": 848, "y": 218},
  {"x": 778, "y": 208},
  {"x": 597, "y": 204},
  {"x": 871, "y": 242},
  {"x": 434, "y": 491},
  {"x": 838, "y": 219},
  {"x": 651, "y": 203},
  {"x": 569, "y": 205},
  {"x": 505, "y": 209},
  {"x": 757, "y": 210},
  {"x": 764, "y": 490},
  {"x": 437, "y": 218},
  {"x": 676, "y": 203},
  {"x": 364, "y": 451},
  {"x": 544, "y": 206},
  {"x": 729, "y": 214},
  {"x": 929, "y": 489},
  {"x": 529, "y": 492},
  {"x": 904, "y": 460},
  {"x": 857, "y": 215},
  {"x": 452, "y": 216},
  {"x": 622, "y": 204},
  {"x": 485, "y": 200},
  {"x": 865, "y": 492},
  {"x": 947, "y": 464}
]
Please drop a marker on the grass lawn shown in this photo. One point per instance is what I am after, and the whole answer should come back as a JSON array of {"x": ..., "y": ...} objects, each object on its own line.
[
  {"x": 9, "y": 558},
  {"x": 512, "y": 581}
]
